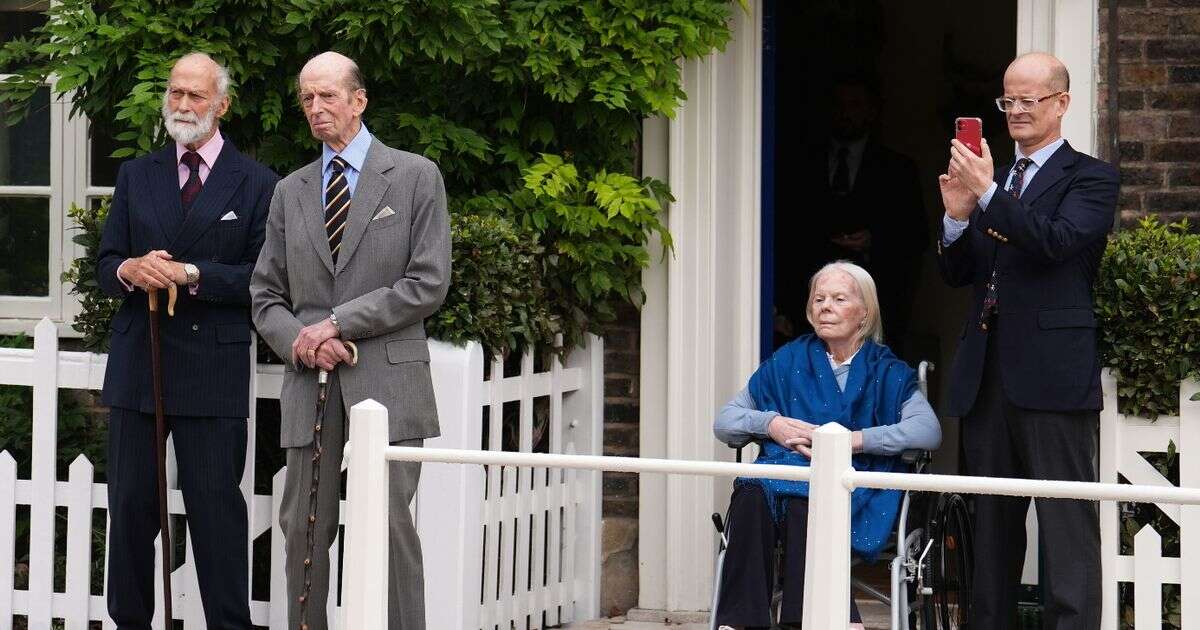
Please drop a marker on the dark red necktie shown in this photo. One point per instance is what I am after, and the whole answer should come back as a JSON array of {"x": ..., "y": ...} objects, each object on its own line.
[
  {"x": 990, "y": 297},
  {"x": 191, "y": 187}
]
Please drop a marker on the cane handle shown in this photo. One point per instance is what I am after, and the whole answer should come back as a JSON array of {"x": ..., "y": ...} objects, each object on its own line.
[
  {"x": 172, "y": 293},
  {"x": 353, "y": 352}
]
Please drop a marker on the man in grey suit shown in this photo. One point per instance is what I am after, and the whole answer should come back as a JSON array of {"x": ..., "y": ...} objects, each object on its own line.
[{"x": 357, "y": 249}]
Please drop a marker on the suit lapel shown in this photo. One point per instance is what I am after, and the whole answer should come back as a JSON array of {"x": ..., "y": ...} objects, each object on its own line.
[
  {"x": 223, "y": 180},
  {"x": 368, "y": 193},
  {"x": 1053, "y": 170},
  {"x": 312, "y": 208},
  {"x": 164, "y": 191}
]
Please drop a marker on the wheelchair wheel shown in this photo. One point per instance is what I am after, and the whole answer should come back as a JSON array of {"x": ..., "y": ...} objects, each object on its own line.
[{"x": 942, "y": 595}]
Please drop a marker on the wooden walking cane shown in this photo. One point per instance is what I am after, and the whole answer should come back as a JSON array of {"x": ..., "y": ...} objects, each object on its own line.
[
  {"x": 160, "y": 445},
  {"x": 317, "y": 451}
]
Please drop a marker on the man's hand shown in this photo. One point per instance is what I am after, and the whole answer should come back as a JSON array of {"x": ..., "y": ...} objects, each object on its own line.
[
  {"x": 153, "y": 271},
  {"x": 975, "y": 172},
  {"x": 859, "y": 241},
  {"x": 332, "y": 352},
  {"x": 959, "y": 201},
  {"x": 304, "y": 348}
]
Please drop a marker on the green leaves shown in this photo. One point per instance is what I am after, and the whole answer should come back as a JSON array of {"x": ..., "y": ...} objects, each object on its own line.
[
  {"x": 482, "y": 87},
  {"x": 1148, "y": 303}
]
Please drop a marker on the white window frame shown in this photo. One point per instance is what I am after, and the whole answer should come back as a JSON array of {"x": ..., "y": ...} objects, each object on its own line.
[{"x": 20, "y": 313}]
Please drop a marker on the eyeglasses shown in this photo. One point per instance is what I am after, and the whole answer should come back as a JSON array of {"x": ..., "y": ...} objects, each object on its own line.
[{"x": 1005, "y": 103}]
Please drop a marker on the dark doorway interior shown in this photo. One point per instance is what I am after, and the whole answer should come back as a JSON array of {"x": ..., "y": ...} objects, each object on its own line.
[{"x": 860, "y": 101}]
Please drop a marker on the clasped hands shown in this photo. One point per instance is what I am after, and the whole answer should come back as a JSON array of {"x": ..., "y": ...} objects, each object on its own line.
[
  {"x": 796, "y": 435},
  {"x": 155, "y": 270},
  {"x": 320, "y": 346},
  {"x": 967, "y": 178}
]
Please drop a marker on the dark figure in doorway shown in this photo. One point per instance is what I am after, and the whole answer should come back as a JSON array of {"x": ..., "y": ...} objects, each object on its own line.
[{"x": 857, "y": 201}]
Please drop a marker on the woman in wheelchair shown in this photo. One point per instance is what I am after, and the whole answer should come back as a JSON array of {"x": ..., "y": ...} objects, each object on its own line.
[{"x": 843, "y": 373}]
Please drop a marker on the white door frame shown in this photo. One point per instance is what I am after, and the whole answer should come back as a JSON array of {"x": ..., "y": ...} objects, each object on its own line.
[{"x": 700, "y": 324}]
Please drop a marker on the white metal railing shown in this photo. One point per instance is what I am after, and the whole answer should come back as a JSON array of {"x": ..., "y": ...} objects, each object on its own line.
[{"x": 832, "y": 479}]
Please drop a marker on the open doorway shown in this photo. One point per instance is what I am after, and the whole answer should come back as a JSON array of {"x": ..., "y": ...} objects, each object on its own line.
[{"x": 859, "y": 102}]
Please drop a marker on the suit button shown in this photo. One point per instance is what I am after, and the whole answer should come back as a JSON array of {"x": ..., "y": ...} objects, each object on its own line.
[{"x": 195, "y": 327}]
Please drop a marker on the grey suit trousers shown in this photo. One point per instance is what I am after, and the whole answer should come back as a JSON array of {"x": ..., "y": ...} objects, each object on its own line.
[{"x": 406, "y": 588}]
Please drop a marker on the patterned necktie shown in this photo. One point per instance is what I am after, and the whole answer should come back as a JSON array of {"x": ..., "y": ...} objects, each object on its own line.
[
  {"x": 1018, "y": 179},
  {"x": 191, "y": 187},
  {"x": 337, "y": 205},
  {"x": 989, "y": 298}
]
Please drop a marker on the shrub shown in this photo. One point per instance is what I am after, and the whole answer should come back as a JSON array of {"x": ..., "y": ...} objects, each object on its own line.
[{"x": 1148, "y": 307}]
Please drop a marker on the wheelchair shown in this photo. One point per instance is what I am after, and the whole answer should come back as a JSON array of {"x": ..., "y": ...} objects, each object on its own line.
[{"x": 929, "y": 556}]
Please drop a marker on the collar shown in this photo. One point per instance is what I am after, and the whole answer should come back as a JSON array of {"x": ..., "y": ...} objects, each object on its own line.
[
  {"x": 835, "y": 365},
  {"x": 355, "y": 153},
  {"x": 853, "y": 147},
  {"x": 208, "y": 152},
  {"x": 1040, "y": 156}
]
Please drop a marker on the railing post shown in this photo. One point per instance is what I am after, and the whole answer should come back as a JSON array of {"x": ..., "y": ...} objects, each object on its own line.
[
  {"x": 827, "y": 569},
  {"x": 364, "y": 586}
]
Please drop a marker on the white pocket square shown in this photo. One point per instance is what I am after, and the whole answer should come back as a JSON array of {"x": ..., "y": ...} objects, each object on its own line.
[
  {"x": 229, "y": 216},
  {"x": 386, "y": 212}
]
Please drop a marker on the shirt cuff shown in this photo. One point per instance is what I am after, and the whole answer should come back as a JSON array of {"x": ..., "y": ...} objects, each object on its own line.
[
  {"x": 987, "y": 196},
  {"x": 128, "y": 287},
  {"x": 952, "y": 229},
  {"x": 193, "y": 288}
]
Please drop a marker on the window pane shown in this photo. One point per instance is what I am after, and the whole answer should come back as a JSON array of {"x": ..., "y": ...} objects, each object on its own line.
[
  {"x": 103, "y": 168},
  {"x": 25, "y": 147},
  {"x": 19, "y": 17},
  {"x": 25, "y": 241}
]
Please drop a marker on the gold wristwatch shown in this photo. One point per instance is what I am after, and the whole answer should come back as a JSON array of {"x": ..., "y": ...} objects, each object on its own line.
[{"x": 193, "y": 273}]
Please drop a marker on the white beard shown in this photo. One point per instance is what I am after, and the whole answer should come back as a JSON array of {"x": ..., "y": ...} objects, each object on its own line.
[{"x": 183, "y": 133}]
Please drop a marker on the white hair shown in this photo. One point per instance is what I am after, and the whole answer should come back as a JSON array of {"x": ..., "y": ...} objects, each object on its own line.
[
  {"x": 222, "y": 72},
  {"x": 872, "y": 326}
]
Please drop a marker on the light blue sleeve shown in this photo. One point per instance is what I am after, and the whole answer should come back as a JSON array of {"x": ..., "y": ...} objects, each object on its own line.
[
  {"x": 952, "y": 229},
  {"x": 987, "y": 196},
  {"x": 740, "y": 422},
  {"x": 918, "y": 429}
]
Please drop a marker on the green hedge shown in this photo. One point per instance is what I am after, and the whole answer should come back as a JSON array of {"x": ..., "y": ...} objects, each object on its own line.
[
  {"x": 531, "y": 108},
  {"x": 1148, "y": 306}
]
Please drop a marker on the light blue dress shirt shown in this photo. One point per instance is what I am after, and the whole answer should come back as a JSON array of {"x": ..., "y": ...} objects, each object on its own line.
[
  {"x": 354, "y": 154},
  {"x": 953, "y": 228}
]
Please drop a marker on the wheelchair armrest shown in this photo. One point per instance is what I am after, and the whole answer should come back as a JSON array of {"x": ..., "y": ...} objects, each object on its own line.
[{"x": 916, "y": 457}]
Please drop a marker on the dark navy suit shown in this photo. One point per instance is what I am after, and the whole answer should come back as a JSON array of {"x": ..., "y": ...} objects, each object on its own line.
[
  {"x": 206, "y": 371},
  {"x": 1028, "y": 387}
]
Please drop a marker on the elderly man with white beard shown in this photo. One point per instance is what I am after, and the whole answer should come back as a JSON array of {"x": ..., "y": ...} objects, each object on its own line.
[{"x": 191, "y": 214}]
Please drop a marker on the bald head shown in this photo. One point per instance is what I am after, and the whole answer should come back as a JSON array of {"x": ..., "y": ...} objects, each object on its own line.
[
  {"x": 1043, "y": 68},
  {"x": 333, "y": 98},
  {"x": 1037, "y": 86},
  {"x": 337, "y": 65},
  {"x": 198, "y": 63}
]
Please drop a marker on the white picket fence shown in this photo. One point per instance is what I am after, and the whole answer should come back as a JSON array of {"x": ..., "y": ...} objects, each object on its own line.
[
  {"x": 500, "y": 550},
  {"x": 1122, "y": 441}
]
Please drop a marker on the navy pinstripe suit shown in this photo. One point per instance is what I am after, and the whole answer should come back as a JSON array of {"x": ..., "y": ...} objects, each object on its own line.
[{"x": 206, "y": 372}]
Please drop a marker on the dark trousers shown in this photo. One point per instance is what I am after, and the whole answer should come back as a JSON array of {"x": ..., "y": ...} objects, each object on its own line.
[
  {"x": 1003, "y": 440},
  {"x": 211, "y": 453},
  {"x": 748, "y": 576}
]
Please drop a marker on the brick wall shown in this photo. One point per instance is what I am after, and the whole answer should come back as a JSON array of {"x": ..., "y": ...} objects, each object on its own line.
[
  {"x": 619, "y": 582},
  {"x": 1159, "y": 120}
]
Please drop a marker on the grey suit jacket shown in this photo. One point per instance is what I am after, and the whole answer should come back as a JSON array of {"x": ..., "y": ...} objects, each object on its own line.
[{"x": 392, "y": 273}]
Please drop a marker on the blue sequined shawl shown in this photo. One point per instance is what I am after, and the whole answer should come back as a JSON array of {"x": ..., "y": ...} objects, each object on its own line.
[{"x": 798, "y": 382}]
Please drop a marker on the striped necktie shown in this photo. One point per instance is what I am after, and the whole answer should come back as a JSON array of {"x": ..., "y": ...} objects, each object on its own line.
[{"x": 337, "y": 205}]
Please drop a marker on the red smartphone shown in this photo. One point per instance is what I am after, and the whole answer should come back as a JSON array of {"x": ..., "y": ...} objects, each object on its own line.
[{"x": 969, "y": 131}]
